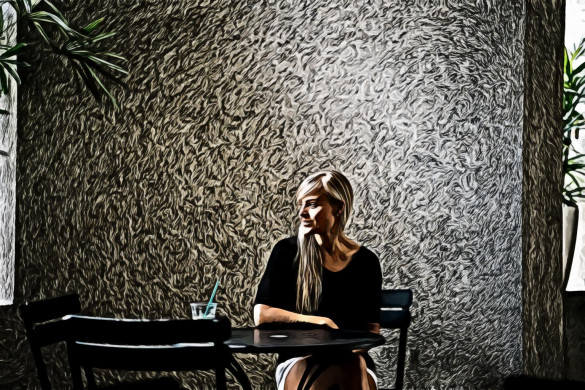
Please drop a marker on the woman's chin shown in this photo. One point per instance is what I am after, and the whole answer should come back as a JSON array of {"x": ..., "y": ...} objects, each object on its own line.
[{"x": 306, "y": 230}]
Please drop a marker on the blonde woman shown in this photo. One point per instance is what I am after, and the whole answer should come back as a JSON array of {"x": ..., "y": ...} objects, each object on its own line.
[{"x": 323, "y": 277}]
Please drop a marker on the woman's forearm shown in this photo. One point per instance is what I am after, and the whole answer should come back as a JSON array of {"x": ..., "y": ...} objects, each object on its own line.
[{"x": 265, "y": 313}]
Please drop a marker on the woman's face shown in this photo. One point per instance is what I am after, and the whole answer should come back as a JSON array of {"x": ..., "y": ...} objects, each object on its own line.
[{"x": 316, "y": 214}]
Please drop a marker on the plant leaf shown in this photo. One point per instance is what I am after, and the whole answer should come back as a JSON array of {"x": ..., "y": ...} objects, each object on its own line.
[
  {"x": 90, "y": 27},
  {"x": 87, "y": 80},
  {"x": 567, "y": 63},
  {"x": 108, "y": 64},
  {"x": 44, "y": 35},
  {"x": 113, "y": 55},
  {"x": 102, "y": 36},
  {"x": 43, "y": 16},
  {"x": 13, "y": 51},
  {"x": 107, "y": 92},
  {"x": 14, "y": 62},
  {"x": 12, "y": 72},
  {"x": 579, "y": 69},
  {"x": 577, "y": 157},
  {"x": 27, "y": 5},
  {"x": 106, "y": 74},
  {"x": 59, "y": 14},
  {"x": 4, "y": 86}
]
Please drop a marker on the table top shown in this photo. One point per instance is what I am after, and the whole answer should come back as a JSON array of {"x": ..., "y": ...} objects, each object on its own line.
[{"x": 301, "y": 341}]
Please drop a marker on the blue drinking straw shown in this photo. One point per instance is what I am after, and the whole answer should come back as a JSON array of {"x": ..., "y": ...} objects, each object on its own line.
[{"x": 211, "y": 299}]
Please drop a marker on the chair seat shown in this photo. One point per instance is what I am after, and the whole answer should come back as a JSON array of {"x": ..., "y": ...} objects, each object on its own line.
[{"x": 151, "y": 358}]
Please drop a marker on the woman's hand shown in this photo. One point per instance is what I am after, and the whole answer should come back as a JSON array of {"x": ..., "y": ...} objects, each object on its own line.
[{"x": 318, "y": 320}]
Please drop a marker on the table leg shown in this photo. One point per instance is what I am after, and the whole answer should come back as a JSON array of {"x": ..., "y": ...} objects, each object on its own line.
[
  {"x": 237, "y": 371},
  {"x": 308, "y": 379}
]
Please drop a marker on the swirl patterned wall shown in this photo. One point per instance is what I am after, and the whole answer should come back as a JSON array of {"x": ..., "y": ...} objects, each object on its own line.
[
  {"x": 228, "y": 106},
  {"x": 542, "y": 215}
]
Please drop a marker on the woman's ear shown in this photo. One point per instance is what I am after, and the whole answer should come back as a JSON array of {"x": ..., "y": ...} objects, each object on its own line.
[{"x": 340, "y": 209}]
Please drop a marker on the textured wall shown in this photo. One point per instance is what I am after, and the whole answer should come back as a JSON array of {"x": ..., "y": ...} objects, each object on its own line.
[
  {"x": 7, "y": 174},
  {"x": 229, "y": 106},
  {"x": 542, "y": 182}
]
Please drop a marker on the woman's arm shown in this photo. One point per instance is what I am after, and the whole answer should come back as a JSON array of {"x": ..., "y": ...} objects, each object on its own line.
[
  {"x": 374, "y": 328},
  {"x": 265, "y": 313}
]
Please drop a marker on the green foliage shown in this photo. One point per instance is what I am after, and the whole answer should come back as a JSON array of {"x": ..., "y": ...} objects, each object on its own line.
[
  {"x": 573, "y": 123},
  {"x": 81, "y": 47}
]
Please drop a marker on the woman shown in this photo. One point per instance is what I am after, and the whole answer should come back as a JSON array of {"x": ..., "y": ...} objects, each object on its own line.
[{"x": 323, "y": 277}]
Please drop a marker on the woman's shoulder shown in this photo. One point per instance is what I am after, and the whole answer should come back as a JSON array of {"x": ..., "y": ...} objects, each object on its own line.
[
  {"x": 289, "y": 243},
  {"x": 367, "y": 257},
  {"x": 365, "y": 251},
  {"x": 285, "y": 249},
  {"x": 282, "y": 258}
]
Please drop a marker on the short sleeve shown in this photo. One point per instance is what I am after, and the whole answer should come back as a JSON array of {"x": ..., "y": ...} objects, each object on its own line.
[
  {"x": 275, "y": 286},
  {"x": 373, "y": 289}
]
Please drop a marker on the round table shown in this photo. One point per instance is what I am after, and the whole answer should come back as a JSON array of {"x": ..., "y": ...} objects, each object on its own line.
[{"x": 298, "y": 339}]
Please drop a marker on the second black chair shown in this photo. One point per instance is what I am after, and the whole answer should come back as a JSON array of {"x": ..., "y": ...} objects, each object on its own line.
[
  {"x": 395, "y": 314},
  {"x": 148, "y": 345}
]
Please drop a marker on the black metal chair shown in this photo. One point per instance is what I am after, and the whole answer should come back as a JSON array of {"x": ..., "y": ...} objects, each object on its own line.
[
  {"x": 395, "y": 314},
  {"x": 43, "y": 325},
  {"x": 148, "y": 345}
]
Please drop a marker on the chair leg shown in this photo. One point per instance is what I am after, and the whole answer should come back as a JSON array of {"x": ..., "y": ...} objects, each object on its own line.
[
  {"x": 220, "y": 378},
  {"x": 401, "y": 359},
  {"x": 41, "y": 368},
  {"x": 74, "y": 366},
  {"x": 90, "y": 378}
]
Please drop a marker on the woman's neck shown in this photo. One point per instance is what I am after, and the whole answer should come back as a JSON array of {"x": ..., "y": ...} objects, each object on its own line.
[
  {"x": 327, "y": 243},
  {"x": 336, "y": 250}
]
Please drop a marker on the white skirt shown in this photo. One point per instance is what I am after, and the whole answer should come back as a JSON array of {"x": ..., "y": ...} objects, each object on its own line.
[{"x": 284, "y": 368}]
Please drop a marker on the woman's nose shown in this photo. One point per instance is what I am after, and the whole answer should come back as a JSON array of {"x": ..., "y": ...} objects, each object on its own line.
[{"x": 303, "y": 212}]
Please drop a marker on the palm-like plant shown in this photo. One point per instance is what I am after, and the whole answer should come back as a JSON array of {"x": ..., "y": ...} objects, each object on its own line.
[
  {"x": 81, "y": 47},
  {"x": 573, "y": 122}
]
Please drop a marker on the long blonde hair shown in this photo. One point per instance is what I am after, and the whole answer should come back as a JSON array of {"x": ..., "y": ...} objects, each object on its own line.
[{"x": 309, "y": 255}]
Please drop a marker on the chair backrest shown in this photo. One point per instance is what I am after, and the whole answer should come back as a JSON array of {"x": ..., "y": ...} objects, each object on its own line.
[
  {"x": 148, "y": 345},
  {"x": 43, "y": 326},
  {"x": 397, "y": 299},
  {"x": 395, "y": 314},
  {"x": 395, "y": 309}
]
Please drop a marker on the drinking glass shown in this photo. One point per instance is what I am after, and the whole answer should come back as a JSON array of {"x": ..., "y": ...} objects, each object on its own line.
[{"x": 198, "y": 310}]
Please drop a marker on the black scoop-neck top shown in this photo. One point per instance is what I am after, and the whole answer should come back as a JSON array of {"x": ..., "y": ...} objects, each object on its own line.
[{"x": 350, "y": 297}]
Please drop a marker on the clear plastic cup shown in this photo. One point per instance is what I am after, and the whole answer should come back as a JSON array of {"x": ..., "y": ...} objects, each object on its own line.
[{"x": 198, "y": 310}]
